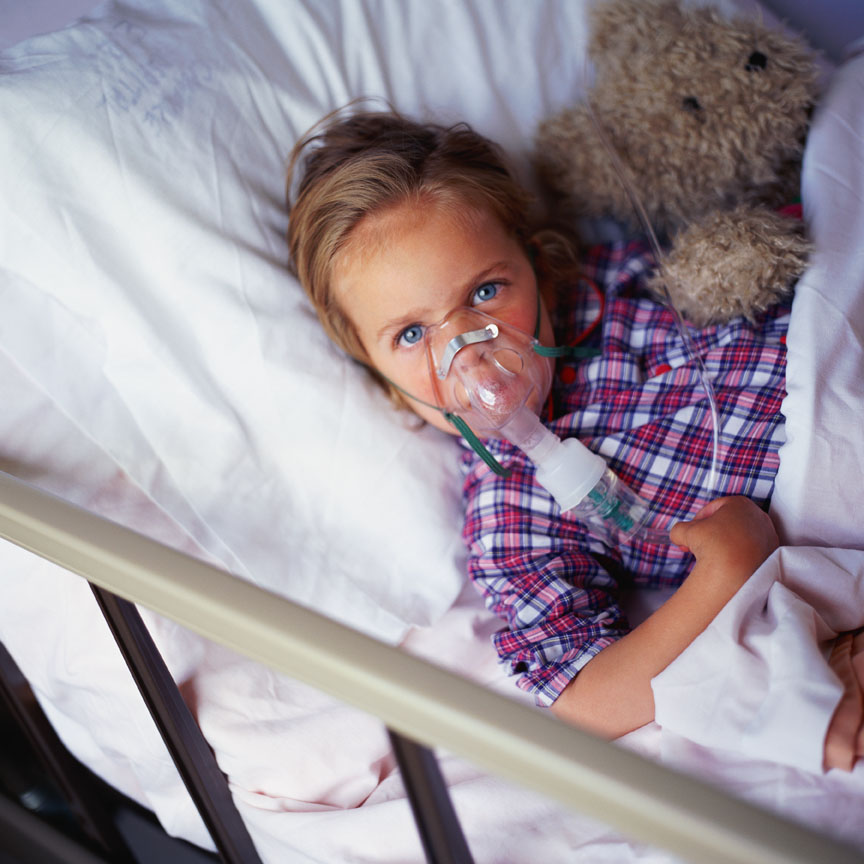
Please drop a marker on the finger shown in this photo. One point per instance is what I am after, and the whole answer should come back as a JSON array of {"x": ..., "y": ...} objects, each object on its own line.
[
  {"x": 680, "y": 530},
  {"x": 711, "y": 508},
  {"x": 678, "y": 535}
]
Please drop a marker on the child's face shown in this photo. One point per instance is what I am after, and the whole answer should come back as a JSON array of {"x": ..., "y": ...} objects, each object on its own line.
[{"x": 407, "y": 268}]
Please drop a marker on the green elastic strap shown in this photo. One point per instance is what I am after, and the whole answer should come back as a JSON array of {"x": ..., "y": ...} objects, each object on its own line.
[
  {"x": 558, "y": 350},
  {"x": 566, "y": 351},
  {"x": 462, "y": 427},
  {"x": 476, "y": 444}
]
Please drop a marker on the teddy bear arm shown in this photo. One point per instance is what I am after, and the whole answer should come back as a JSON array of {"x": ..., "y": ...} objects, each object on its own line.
[{"x": 733, "y": 263}]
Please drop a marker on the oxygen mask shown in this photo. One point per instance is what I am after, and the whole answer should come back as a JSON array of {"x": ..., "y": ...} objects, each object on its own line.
[
  {"x": 489, "y": 378},
  {"x": 485, "y": 371}
]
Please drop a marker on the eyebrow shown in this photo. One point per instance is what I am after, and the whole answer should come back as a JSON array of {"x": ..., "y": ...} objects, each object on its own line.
[{"x": 418, "y": 315}]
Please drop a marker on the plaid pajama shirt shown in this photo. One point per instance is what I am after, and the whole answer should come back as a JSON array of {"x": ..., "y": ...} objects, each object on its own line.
[{"x": 639, "y": 404}]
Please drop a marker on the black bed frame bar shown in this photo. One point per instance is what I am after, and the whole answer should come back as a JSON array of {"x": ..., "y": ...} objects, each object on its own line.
[{"x": 437, "y": 823}]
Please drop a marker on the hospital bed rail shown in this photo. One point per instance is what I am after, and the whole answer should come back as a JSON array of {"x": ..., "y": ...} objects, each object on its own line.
[{"x": 416, "y": 699}]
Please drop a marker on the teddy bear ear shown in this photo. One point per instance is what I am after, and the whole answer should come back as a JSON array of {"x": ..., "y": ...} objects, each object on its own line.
[{"x": 622, "y": 28}]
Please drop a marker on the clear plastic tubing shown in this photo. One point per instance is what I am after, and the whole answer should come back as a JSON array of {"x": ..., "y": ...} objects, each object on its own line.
[
  {"x": 636, "y": 202},
  {"x": 582, "y": 483}
]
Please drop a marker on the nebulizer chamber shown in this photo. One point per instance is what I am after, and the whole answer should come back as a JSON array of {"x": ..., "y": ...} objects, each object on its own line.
[
  {"x": 486, "y": 373},
  {"x": 582, "y": 483}
]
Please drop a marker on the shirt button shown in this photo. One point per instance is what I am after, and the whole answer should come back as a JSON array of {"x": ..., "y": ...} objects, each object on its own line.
[
  {"x": 662, "y": 369},
  {"x": 568, "y": 375}
]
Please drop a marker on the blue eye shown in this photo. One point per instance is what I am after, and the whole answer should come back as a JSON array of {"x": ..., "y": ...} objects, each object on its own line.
[
  {"x": 410, "y": 335},
  {"x": 484, "y": 292}
]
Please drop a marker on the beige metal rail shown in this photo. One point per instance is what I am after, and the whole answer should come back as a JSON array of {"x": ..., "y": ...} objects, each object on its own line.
[{"x": 644, "y": 800}]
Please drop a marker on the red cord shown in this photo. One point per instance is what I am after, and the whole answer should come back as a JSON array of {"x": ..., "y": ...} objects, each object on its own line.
[{"x": 601, "y": 299}]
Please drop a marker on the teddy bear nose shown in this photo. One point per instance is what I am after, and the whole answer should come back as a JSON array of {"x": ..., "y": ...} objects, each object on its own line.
[
  {"x": 691, "y": 103},
  {"x": 757, "y": 60}
]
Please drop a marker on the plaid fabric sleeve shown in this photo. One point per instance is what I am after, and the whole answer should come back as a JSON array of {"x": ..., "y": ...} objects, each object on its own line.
[{"x": 537, "y": 574}]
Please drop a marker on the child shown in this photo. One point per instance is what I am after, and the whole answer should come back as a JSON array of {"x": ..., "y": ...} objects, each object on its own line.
[{"x": 396, "y": 223}]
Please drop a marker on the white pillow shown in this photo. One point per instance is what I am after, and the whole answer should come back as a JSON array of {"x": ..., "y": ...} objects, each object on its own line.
[
  {"x": 143, "y": 272},
  {"x": 815, "y": 503}
]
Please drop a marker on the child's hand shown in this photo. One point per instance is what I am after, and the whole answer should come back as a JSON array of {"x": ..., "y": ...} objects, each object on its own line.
[{"x": 730, "y": 535}]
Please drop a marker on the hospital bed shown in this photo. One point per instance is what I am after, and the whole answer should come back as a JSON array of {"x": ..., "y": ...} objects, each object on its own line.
[{"x": 160, "y": 369}]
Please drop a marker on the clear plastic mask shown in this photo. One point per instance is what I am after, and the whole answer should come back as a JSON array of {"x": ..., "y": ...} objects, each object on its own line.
[{"x": 483, "y": 370}]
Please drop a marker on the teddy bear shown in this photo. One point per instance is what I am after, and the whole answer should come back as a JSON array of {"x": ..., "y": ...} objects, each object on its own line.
[{"x": 705, "y": 117}]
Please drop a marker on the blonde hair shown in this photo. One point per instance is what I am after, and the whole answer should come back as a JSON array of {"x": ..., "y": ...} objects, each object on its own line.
[{"x": 350, "y": 167}]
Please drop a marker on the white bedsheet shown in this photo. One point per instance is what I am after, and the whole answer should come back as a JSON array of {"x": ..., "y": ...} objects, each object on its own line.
[
  {"x": 753, "y": 695},
  {"x": 141, "y": 180}
]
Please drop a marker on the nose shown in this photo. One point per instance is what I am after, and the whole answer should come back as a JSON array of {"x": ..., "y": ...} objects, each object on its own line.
[
  {"x": 460, "y": 341},
  {"x": 486, "y": 377},
  {"x": 756, "y": 61}
]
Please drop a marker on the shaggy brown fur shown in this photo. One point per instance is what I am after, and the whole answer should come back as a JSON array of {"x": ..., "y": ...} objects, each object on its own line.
[{"x": 708, "y": 117}]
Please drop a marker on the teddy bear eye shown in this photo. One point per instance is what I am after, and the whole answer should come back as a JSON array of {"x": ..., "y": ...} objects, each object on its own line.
[
  {"x": 757, "y": 60},
  {"x": 691, "y": 103}
]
